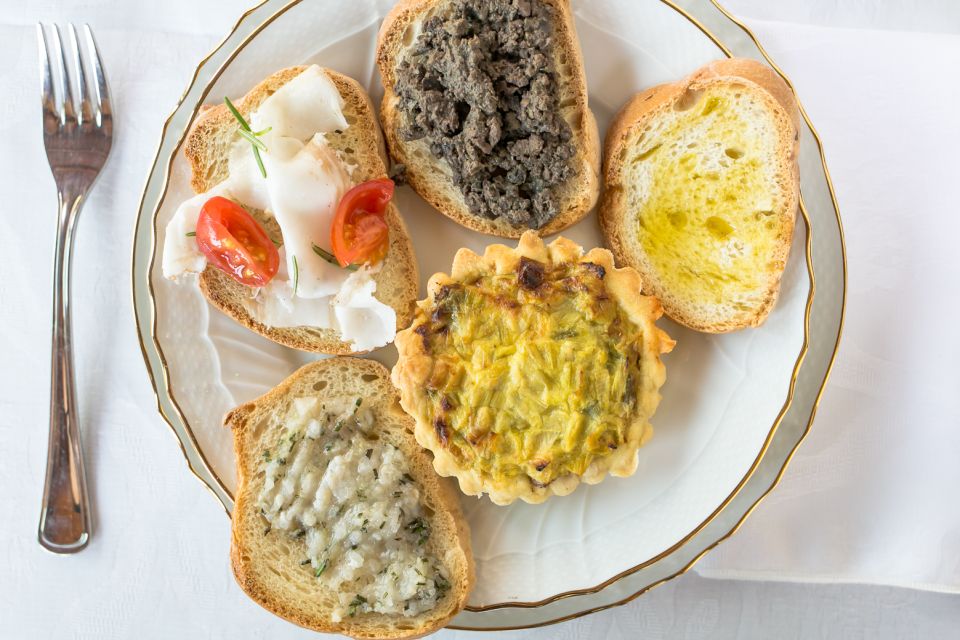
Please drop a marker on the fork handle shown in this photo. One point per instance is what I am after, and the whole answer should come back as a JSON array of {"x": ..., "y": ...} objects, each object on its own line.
[{"x": 65, "y": 515}]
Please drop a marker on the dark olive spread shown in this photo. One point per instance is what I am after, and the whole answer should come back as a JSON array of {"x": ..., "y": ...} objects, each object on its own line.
[{"x": 480, "y": 87}]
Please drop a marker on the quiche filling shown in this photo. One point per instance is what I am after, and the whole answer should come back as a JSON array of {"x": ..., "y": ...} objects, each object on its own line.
[
  {"x": 535, "y": 373},
  {"x": 349, "y": 497}
]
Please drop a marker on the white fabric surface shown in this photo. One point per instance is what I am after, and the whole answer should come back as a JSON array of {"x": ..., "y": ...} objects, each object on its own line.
[
  {"x": 870, "y": 495},
  {"x": 868, "y": 498}
]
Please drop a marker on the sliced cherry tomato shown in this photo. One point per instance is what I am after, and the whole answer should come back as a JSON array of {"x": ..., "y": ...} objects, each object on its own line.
[
  {"x": 235, "y": 243},
  {"x": 359, "y": 233}
]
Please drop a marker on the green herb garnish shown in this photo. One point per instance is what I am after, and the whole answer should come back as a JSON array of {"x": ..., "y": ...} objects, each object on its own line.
[
  {"x": 356, "y": 603},
  {"x": 419, "y": 527},
  {"x": 321, "y": 568},
  {"x": 252, "y": 138},
  {"x": 245, "y": 131},
  {"x": 329, "y": 257},
  {"x": 296, "y": 274},
  {"x": 191, "y": 234}
]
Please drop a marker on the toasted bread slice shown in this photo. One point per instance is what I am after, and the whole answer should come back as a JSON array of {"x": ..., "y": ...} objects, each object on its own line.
[
  {"x": 430, "y": 176},
  {"x": 701, "y": 191},
  {"x": 207, "y": 151},
  {"x": 270, "y": 567}
]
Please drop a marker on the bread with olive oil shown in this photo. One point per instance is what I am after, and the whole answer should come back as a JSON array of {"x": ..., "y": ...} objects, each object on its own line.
[{"x": 701, "y": 191}]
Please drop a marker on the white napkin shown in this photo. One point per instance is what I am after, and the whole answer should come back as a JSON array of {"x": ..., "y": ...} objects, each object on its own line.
[{"x": 871, "y": 496}]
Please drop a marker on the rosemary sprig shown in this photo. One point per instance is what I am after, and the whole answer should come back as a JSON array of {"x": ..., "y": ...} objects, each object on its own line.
[
  {"x": 245, "y": 131},
  {"x": 296, "y": 275},
  {"x": 252, "y": 139},
  {"x": 329, "y": 257}
]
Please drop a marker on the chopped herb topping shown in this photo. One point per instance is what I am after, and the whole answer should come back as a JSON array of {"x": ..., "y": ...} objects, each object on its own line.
[
  {"x": 419, "y": 527},
  {"x": 442, "y": 585},
  {"x": 319, "y": 570},
  {"x": 356, "y": 603}
]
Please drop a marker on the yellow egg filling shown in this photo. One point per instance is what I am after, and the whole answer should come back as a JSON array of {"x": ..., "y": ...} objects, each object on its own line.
[{"x": 534, "y": 381}]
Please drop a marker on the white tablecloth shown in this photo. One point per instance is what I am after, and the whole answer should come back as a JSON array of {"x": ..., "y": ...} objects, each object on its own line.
[{"x": 870, "y": 497}]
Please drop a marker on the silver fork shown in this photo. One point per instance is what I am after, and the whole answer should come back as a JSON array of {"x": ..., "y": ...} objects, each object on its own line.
[{"x": 77, "y": 144}]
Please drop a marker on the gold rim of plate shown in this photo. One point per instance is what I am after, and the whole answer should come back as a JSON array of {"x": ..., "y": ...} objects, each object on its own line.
[{"x": 711, "y": 19}]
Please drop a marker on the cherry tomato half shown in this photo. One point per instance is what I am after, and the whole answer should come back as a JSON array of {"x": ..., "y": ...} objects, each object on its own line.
[
  {"x": 359, "y": 233},
  {"x": 235, "y": 243}
]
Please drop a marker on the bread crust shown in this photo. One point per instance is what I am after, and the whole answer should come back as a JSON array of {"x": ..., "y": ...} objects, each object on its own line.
[
  {"x": 397, "y": 281},
  {"x": 616, "y": 220},
  {"x": 370, "y": 380},
  {"x": 415, "y": 364},
  {"x": 431, "y": 180}
]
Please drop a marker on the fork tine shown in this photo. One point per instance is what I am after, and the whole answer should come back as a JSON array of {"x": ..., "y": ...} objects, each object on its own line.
[
  {"x": 86, "y": 114},
  {"x": 102, "y": 93},
  {"x": 48, "y": 100},
  {"x": 66, "y": 93}
]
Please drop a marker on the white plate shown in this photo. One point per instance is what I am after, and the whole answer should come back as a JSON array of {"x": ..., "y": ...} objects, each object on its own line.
[{"x": 723, "y": 396}]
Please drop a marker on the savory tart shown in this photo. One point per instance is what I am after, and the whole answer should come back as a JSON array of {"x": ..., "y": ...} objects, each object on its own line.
[{"x": 529, "y": 370}]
